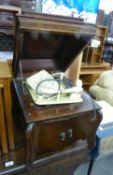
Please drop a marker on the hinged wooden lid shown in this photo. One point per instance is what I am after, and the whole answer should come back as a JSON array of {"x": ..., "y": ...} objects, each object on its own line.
[
  {"x": 54, "y": 23},
  {"x": 58, "y": 38}
]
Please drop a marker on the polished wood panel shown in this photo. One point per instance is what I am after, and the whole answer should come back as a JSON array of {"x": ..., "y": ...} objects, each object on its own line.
[
  {"x": 44, "y": 126},
  {"x": 57, "y": 135},
  {"x": 7, "y": 15},
  {"x": 3, "y": 135},
  {"x": 9, "y": 8},
  {"x": 89, "y": 73},
  {"x": 6, "y": 102},
  {"x": 27, "y": 23}
]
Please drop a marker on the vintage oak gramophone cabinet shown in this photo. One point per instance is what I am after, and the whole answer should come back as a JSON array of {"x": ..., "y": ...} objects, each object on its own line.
[{"x": 58, "y": 137}]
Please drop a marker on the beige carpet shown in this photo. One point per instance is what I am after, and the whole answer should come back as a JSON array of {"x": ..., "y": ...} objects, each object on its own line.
[{"x": 103, "y": 165}]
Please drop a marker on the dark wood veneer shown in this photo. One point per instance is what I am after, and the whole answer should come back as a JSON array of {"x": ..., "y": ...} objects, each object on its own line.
[{"x": 58, "y": 137}]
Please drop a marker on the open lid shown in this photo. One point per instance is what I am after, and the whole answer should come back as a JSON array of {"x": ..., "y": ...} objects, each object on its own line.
[{"x": 48, "y": 37}]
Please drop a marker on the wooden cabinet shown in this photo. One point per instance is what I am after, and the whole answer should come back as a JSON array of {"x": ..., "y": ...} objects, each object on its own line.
[
  {"x": 7, "y": 18},
  {"x": 101, "y": 32},
  {"x": 57, "y": 134},
  {"x": 8, "y": 9},
  {"x": 93, "y": 65},
  {"x": 64, "y": 133},
  {"x": 90, "y": 72},
  {"x": 94, "y": 55}
]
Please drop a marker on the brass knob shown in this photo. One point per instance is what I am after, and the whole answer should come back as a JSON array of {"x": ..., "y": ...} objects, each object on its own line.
[
  {"x": 70, "y": 133},
  {"x": 62, "y": 136}
]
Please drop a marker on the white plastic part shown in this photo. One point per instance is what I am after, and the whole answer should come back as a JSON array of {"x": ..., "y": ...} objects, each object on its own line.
[{"x": 8, "y": 164}]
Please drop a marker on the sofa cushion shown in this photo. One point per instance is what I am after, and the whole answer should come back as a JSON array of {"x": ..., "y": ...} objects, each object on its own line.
[
  {"x": 106, "y": 79},
  {"x": 100, "y": 93},
  {"x": 102, "y": 89}
]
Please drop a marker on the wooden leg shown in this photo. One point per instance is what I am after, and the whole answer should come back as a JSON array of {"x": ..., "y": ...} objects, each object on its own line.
[
  {"x": 30, "y": 145},
  {"x": 3, "y": 135},
  {"x": 8, "y": 108}
]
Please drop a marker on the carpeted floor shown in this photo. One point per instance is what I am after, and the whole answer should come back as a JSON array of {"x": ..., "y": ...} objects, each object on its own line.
[
  {"x": 103, "y": 165},
  {"x": 83, "y": 168}
]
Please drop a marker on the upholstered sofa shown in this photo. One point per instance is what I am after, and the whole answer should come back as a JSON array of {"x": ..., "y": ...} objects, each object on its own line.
[{"x": 102, "y": 89}]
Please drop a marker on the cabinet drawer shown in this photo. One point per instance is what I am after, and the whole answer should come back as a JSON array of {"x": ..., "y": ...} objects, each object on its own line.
[{"x": 56, "y": 136}]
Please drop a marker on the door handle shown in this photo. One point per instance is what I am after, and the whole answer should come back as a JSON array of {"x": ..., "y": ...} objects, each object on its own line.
[
  {"x": 70, "y": 133},
  {"x": 62, "y": 136}
]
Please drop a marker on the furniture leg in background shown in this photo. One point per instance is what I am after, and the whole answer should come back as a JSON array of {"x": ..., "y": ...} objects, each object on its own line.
[
  {"x": 7, "y": 138},
  {"x": 3, "y": 136}
]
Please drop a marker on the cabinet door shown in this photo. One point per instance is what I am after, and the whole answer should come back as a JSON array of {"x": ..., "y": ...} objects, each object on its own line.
[
  {"x": 52, "y": 136},
  {"x": 59, "y": 135},
  {"x": 81, "y": 129}
]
